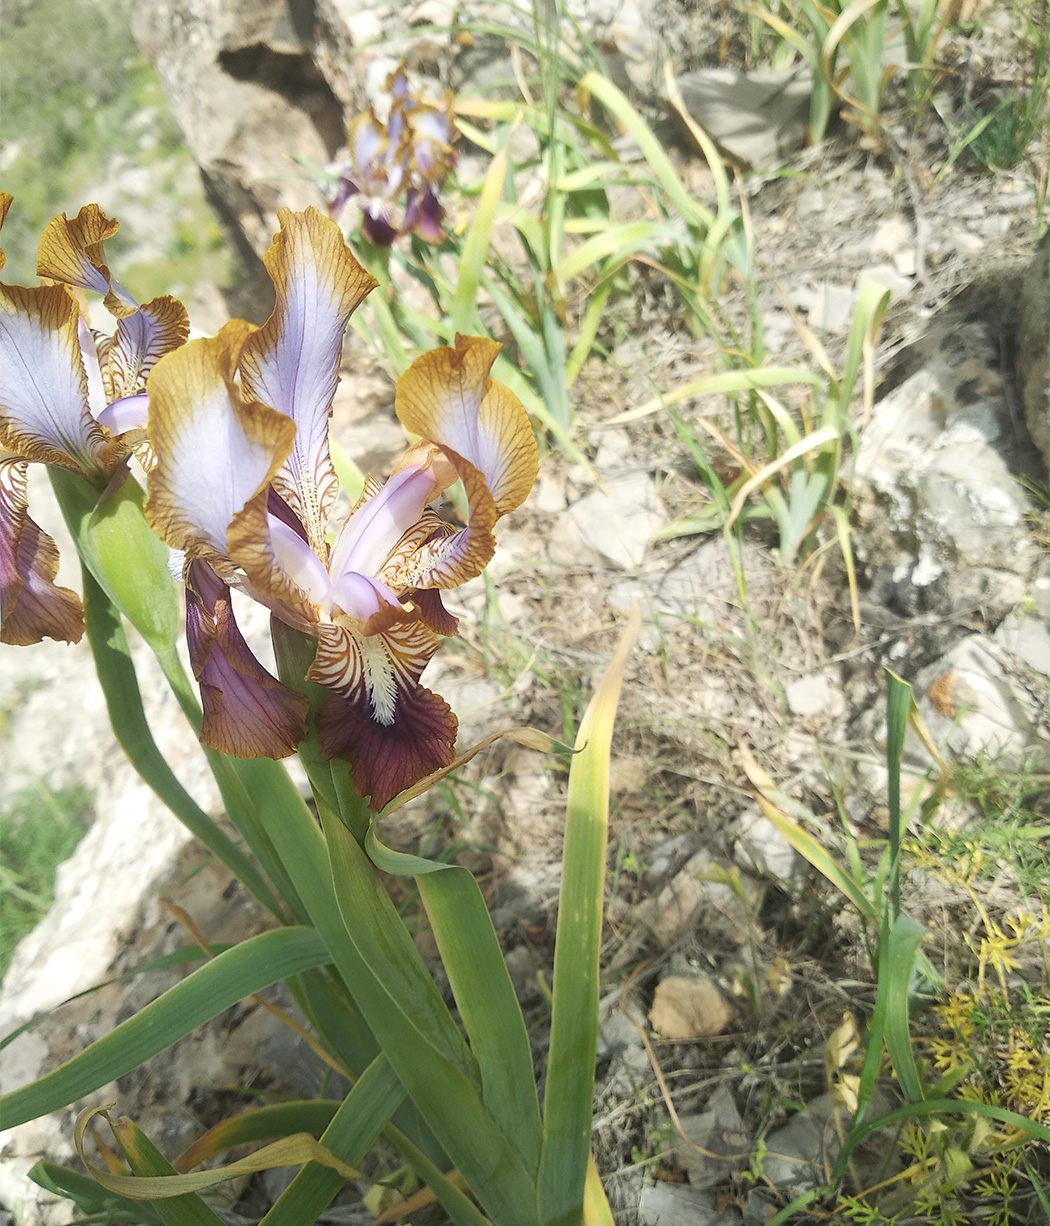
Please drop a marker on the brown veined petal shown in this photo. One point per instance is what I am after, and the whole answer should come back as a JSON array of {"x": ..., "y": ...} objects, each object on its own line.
[
  {"x": 72, "y": 252},
  {"x": 215, "y": 452},
  {"x": 434, "y": 613},
  {"x": 448, "y": 558},
  {"x": 139, "y": 342},
  {"x": 447, "y": 396},
  {"x": 44, "y": 412},
  {"x": 251, "y": 548},
  {"x": 385, "y": 760},
  {"x": 247, "y": 712},
  {"x": 292, "y": 362},
  {"x": 389, "y": 728},
  {"x": 32, "y": 606}
]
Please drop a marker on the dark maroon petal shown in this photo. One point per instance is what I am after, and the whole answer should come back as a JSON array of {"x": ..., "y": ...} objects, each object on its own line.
[
  {"x": 247, "y": 712},
  {"x": 433, "y": 612},
  {"x": 378, "y": 231},
  {"x": 386, "y": 759},
  {"x": 32, "y": 606},
  {"x": 425, "y": 215},
  {"x": 279, "y": 509}
]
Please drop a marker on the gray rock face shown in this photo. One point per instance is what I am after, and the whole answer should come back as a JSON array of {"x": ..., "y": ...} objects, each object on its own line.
[
  {"x": 262, "y": 88},
  {"x": 244, "y": 85},
  {"x": 1033, "y": 348}
]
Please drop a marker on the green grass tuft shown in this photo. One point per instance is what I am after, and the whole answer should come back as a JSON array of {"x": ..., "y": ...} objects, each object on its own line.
[{"x": 38, "y": 830}]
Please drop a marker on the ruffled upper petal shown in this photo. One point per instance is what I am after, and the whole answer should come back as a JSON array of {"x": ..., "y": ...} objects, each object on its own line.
[
  {"x": 72, "y": 252},
  {"x": 32, "y": 607},
  {"x": 448, "y": 397},
  {"x": 44, "y": 411},
  {"x": 292, "y": 362},
  {"x": 139, "y": 342},
  {"x": 216, "y": 452}
]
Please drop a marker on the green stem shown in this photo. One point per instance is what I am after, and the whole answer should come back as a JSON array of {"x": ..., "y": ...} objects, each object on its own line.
[{"x": 116, "y": 674}]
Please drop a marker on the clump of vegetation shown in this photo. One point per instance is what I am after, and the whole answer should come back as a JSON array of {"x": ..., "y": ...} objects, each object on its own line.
[{"x": 38, "y": 830}]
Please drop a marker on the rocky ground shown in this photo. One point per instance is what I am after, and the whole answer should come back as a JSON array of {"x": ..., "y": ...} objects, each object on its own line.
[{"x": 729, "y": 961}]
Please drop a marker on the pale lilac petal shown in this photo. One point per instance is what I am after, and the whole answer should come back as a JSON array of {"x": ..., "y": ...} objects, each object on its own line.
[
  {"x": 128, "y": 413},
  {"x": 299, "y": 562},
  {"x": 292, "y": 363},
  {"x": 97, "y": 398},
  {"x": 43, "y": 386},
  {"x": 215, "y": 453},
  {"x": 362, "y": 598},
  {"x": 376, "y": 525},
  {"x": 139, "y": 342}
]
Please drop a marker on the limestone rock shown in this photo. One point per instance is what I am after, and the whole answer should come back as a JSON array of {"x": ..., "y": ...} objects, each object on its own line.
[
  {"x": 759, "y": 117},
  {"x": 974, "y": 702},
  {"x": 686, "y": 1009},
  {"x": 933, "y": 455}
]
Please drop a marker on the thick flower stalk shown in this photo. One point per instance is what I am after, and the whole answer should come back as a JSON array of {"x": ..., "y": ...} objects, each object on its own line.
[
  {"x": 411, "y": 155},
  {"x": 244, "y": 486},
  {"x": 70, "y": 398}
]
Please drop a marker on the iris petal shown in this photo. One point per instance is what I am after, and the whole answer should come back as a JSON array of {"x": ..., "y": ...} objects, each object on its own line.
[
  {"x": 43, "y": 386},
  {"x": 292, "y": 362},
  {"x": 387, "y": 759},
  {"x": 448, "y": 397},
  {"x": 390, "y": 729},
  {"x": 215, "y": 451},
  {"x": 139, "y": 342},
  {"x": 72, "y": 252},
  {"x": 247, "y": 712},
  {"x": 32, "y": 607},
  {"x": 381, "y": 518}
]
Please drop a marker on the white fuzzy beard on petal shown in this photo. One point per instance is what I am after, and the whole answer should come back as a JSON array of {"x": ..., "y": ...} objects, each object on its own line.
[
  {"x": 379, "y": 678},
  {"x": 177, "y": 563}
]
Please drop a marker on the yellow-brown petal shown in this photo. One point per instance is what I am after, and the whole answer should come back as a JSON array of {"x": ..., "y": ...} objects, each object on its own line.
[
  {"x": 448, "y": 397},
  {"x": 215, "y": 452},
  {"x": 72, "y": 252},
  {"x": 5, "y": 203}
]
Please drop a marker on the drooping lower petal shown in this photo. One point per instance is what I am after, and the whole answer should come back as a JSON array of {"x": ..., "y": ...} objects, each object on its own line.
[
  {"x": 43, "y": 386},
  {"x": 247, "y": 712},
  {"x": 380, "y": 719},
  {"x": 387, "y": 758},
  {"x": 32, "y": 606},
  {"x": 447, "y": 396},
  {"x": 72, "y": 252}
]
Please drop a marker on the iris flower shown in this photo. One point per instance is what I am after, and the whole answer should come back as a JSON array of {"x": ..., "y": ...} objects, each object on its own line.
[
  {"x": 411, "y": 155},
  {"x": 68, "y": 397},
  {"x": 244, "y": 486}
]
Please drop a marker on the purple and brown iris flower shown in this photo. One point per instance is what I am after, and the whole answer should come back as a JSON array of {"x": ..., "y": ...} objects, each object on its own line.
[
  {"x": 69, "y": 397},
  {"x": 244, "y": 486},
  {"x": 411, "y": 155}
]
